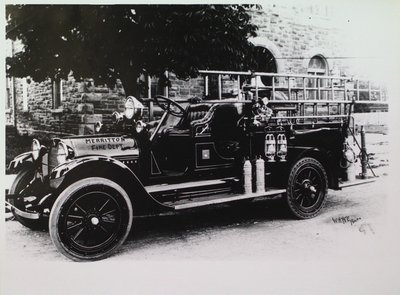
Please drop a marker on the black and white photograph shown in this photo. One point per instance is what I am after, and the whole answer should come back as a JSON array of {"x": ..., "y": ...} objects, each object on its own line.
[{"x": 192, "y": 148}]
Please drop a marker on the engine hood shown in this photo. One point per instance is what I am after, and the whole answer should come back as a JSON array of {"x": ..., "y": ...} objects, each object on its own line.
[{"x": 108, "y": 145}]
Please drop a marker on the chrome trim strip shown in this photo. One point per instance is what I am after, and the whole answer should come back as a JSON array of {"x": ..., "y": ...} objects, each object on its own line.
[
  {"x": 153, "y": 160},
  {"x": 158, "y": 126},
  {"x": 228, "y": 198},
  {"x": 44, "y": 199}
]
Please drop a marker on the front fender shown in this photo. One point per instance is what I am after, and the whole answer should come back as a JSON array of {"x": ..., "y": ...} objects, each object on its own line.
[
  {"x": 20, "y": 161},
  {"x": 102, "y": 166}
]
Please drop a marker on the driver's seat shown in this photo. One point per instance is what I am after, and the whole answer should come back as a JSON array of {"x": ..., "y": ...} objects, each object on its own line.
[{"x": 194, "y": 112}]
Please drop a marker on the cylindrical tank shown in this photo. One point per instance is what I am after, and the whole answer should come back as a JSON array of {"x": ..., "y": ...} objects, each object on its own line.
[
  {"x": 353, "y": 168},
  {"x": 247, "y": 177},
  {"x": 260, "y": 175},
  {"x": 353, "y": 171}
]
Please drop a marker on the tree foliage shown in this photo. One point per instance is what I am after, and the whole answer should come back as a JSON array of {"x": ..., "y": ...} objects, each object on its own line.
[{"x": 119, "y": 41}]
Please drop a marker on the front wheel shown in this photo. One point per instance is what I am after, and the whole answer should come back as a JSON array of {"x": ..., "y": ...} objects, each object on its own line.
[
  {"x": 307, "y": 188},
  {"x": 24, "y": 201},
  {"x": 90, "y": 219}
]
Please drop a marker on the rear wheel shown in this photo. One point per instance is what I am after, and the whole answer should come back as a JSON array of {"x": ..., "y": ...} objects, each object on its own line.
[
  {"x": 24, "y": 202},
  {"x": 307, "y": 188},
  {"x": 90, "y": 219}
]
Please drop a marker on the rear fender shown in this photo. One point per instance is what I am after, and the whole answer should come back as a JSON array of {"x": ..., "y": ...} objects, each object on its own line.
[{"x": 101, "y": 166}]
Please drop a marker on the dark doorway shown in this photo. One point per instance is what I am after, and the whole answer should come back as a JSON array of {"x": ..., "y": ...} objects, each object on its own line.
[{"x": 265, "y": 63}]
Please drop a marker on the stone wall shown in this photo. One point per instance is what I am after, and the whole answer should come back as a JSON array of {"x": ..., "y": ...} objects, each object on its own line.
[
  {"x": 294, "y": 34},
  {"x": 196, "y": 87},
  {"x": 82, "y": 105},
  {"x": 185, "y": 89}
]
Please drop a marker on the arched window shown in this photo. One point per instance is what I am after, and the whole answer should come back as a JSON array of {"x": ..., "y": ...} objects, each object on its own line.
[
  {"x": 317, "y": 66},
  {"x": 265, "y": 63}
]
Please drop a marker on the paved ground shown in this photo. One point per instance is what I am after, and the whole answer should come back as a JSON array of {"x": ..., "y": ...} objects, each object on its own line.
[{"x": 340, "y": 251}]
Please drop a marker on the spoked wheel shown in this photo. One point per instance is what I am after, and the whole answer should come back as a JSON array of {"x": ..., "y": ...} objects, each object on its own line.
[
  {"x": 307, "y": 188},
  {"x": 90, "y": 219},
  {"x": 25, "y": 202}
]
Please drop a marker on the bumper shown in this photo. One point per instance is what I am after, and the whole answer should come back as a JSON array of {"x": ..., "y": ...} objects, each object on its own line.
[
  {"x": 24, "y": 214},
  {"x": 33, "y": 210}
]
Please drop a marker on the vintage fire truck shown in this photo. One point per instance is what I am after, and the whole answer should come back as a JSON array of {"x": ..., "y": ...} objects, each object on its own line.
[{"x": 286, "y": 139}]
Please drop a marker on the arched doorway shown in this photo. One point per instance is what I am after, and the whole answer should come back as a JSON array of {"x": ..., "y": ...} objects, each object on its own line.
[{"x": 266, "y": 62}]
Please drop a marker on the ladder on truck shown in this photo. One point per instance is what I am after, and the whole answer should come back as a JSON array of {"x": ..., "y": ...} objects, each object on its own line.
[{"x": 295, "y": 98}]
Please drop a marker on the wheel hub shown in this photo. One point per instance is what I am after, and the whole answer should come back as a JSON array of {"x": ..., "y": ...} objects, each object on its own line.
[
  {"x": 308, "y": 187},
  {"x": 306, "y": 184},
  {"x": 94, "y": 220}
]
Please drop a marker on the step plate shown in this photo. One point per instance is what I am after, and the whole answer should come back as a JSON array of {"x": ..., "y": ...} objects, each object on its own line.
[{"x": 224, "y": 198}]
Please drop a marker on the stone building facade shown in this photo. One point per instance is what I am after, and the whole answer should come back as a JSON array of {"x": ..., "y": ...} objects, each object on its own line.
[{"x": 294, "y": 40}]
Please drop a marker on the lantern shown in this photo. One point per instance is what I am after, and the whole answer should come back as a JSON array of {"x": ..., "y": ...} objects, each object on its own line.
[
  {"x": 281, "y": 147},
  {"x": 270, "y": 147}
]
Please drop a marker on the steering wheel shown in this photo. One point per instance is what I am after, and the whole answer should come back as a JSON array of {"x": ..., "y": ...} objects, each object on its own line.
[{"x": 169, "y": 105}]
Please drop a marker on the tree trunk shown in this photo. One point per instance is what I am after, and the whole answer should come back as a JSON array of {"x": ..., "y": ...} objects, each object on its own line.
[{"x": 129, "y": 82}]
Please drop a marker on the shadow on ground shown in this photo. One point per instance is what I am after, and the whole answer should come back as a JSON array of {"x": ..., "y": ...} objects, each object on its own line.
[{"x": 204, "y": 219}]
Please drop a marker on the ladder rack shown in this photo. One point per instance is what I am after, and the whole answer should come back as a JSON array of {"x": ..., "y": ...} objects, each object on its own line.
[
  {"x": 298, "y": 87},
  {"x": 294, "y": 97},
  {"x": 297, "y": 98}
]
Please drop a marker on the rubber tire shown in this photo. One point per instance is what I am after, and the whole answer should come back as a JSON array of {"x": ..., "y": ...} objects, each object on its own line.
[
  {"x": 62, "y": 199},
  {"x": 293, "y": 208},
  {"x": 23, "y": 177}
]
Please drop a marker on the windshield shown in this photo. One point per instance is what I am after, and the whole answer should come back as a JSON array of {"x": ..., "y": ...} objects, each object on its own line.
[
  {"x": 172, "y": 120},
  {"x": 169, "y": 121}
]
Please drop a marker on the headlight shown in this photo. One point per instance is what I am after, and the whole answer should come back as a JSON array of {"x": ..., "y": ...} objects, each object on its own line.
[
  {"x": 129, "y": 108},
  {"x": 97, "y": 127},
  {"x": 133, "y": 107},
  {"x": 116, "y": 117},
  {"x": 35, "y": 149},
  {"x": 63, "y": 153},
  {"x": 139, "y": 126},
  {"x": 129, "y": 113}
]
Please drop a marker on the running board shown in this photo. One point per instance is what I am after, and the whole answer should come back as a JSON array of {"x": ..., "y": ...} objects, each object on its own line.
[
  {"x": 224, "y": 198},
  {"x": 356, "y": 182},
  {"x": 159, "y": 188}
]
